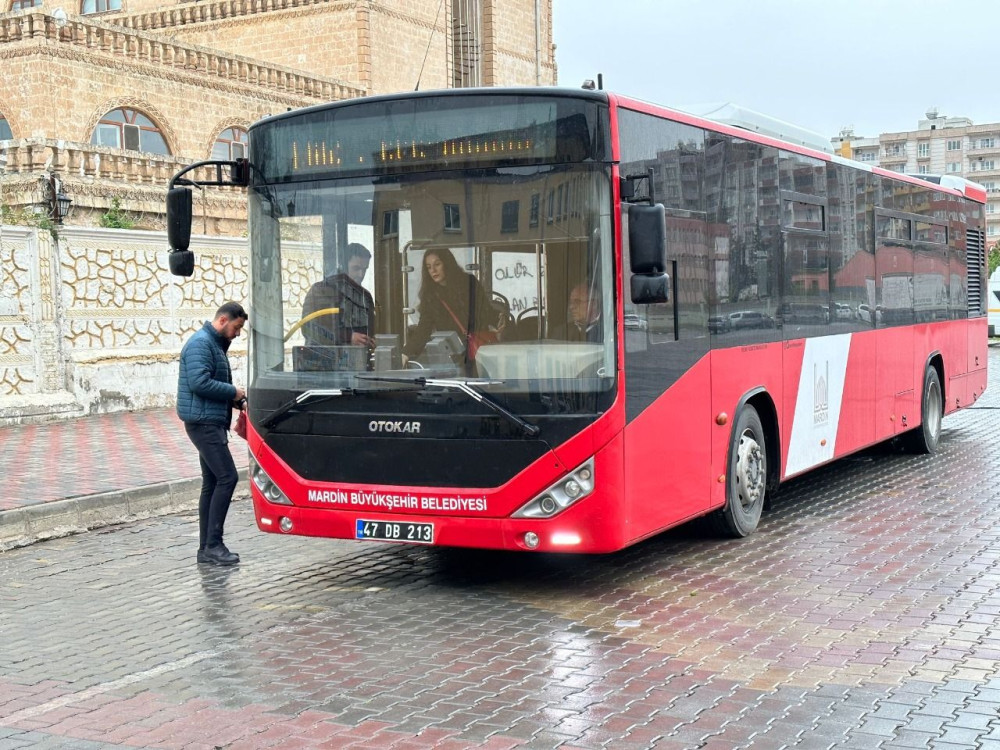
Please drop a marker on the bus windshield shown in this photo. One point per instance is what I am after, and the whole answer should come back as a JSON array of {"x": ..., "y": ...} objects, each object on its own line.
[{"x": 500, "y": 277}]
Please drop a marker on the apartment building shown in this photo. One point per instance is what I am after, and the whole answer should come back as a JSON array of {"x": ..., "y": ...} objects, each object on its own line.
[{"x": 939, "y": 145}]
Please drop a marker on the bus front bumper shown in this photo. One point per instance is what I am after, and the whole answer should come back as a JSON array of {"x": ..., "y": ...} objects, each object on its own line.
[{"x": 579, "y": 529}]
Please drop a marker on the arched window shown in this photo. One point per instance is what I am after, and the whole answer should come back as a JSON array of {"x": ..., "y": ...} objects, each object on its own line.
[
  {"x": 129, "y": 129},
  {"x": 231, "y": 144},
  {"x": 100, "y": 6},
  {"x": 5, "y": 132},
  {"x": 24, "y": 4}
]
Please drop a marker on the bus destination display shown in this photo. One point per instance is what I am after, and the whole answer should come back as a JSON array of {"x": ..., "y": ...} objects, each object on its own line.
[
  {"x": 423, "y": 135},
  {"x": 310, "y": 155}
]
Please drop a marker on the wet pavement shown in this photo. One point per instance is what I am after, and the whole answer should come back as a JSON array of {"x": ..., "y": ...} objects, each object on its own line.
[
  {"x": 865, "y": 613},
  {"x": 78, "y": 474}
]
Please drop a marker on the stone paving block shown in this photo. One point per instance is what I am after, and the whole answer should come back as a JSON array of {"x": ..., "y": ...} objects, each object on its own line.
[{"x": 879, "y": 727}]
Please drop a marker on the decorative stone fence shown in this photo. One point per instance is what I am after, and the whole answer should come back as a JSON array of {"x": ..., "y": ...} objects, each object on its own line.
[{"x": 92, "y": 321}]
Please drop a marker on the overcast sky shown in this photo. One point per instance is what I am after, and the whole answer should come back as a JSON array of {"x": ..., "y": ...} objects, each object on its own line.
[{"x": 877, "y": 65}]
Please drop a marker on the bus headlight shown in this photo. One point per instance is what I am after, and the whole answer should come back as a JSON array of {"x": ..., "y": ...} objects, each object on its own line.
[
  {"x": 266, "y": 486},
  {"x": 573, "y": 487}
]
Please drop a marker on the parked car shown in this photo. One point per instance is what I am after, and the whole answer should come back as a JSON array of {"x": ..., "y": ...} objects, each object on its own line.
[
  {"x": 750, "y": 319},
  {"x": 718, "y": 323},
  {"x": 865, "y": 313},
  {"x": 842, "y": 311},
  {"x": 805, "y": 313},
  {"x": 635, "y": 322}
]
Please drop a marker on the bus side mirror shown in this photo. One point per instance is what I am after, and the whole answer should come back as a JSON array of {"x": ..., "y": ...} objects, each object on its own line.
[
  {"x": 179, "y": 231},
  {"x": 647, "y": 247},
  {"x": 649, "y": 289}
]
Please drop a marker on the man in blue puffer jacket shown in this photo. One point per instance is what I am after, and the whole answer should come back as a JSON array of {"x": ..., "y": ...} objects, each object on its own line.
[{"x": 205, "y": 400}]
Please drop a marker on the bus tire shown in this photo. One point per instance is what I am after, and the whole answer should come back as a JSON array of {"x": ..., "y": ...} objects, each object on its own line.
[
  {"x": 746, "y": 477},
  {"x": 925, "y": 438}
]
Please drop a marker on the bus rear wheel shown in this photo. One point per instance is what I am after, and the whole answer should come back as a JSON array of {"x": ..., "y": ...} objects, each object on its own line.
[
  {"x": 746, "y": 477},
  {"x": 925, "y": 438}
]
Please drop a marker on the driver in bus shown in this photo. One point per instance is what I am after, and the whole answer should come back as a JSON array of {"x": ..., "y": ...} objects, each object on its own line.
[
  {"x": 584, "y": 316},
  {"x": 354, "y": 324}
]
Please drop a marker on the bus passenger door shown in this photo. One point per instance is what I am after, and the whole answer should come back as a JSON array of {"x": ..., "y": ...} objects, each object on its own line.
[
  {"x": 667, "y": 386},
  {"x": 897, "y": 394}
]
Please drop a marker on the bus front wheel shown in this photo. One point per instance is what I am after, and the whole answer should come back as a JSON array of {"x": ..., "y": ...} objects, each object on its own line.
[
  {"x": 746, "y": 476},
  {"x": 925, "y": 438}
]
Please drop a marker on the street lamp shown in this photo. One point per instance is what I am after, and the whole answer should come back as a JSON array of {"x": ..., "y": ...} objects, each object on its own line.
[
  {"x": 59, "y": 202},
  {"x": 63, "y": 202}
]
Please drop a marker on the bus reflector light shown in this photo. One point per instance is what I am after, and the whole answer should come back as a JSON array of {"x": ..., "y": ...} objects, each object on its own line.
[
  {"x": 530, "y": 539},
  {"x": 285, "y": 524},
  {"x": 266, "y": 521}
]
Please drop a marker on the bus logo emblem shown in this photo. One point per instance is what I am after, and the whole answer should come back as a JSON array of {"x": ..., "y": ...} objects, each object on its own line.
[
  {"x": 821, "y": 394},
  {"x": 383, "y": 425}
]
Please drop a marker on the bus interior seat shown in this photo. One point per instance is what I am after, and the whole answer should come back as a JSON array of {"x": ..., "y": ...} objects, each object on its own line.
[{"x": 526, "y": 329}]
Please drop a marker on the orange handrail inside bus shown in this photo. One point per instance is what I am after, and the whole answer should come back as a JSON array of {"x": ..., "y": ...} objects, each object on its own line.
[{"x": 310, "y": 316}]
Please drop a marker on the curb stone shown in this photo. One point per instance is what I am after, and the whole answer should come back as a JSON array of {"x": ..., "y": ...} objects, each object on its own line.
[{"x": 20, "y": 527}]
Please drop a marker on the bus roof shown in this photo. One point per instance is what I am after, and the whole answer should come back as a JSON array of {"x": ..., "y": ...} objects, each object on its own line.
[
  {"x": 547, "y": 91},
  {"x": 966, "y": 189},
  {"x": 731, "y": 120}
]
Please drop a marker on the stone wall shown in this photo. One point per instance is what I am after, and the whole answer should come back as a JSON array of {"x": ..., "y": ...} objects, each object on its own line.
[
  {"x": 92, "y": 321},
  {"x": 190, "y": 92}
]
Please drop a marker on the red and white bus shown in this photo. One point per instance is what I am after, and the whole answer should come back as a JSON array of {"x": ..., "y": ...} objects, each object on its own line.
[{"x": 754, "y": 309}]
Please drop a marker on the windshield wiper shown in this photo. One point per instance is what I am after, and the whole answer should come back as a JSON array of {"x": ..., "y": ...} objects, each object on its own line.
[
  {"x": 324, "y": 393},
  {"x": 468, "y": 387}
]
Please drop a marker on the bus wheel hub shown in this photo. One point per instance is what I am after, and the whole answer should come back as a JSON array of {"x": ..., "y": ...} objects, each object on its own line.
[{"x": 749, "y": 471}]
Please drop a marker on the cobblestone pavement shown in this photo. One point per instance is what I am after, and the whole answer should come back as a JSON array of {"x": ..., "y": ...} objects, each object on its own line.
[
  {"x": 863, "y": 614},
  {"x": 96, "y": 454}
]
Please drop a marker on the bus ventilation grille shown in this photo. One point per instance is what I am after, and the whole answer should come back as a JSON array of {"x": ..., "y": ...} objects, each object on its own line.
[{"x": 975, "y": 262}]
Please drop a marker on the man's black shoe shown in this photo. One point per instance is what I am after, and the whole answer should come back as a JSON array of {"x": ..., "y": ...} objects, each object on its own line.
[{"x": 218, "y": 555}]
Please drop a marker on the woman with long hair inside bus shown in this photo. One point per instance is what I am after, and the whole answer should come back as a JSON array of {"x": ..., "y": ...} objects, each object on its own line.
[{"x": 450, "y": 300}]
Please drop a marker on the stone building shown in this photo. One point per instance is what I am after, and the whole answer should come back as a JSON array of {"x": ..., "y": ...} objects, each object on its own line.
[
  {"x": 102, "y": 102},
  {"x": 106, "y": 99}
]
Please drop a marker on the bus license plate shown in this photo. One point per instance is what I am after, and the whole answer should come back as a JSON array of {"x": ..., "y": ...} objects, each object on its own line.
[{"x": 394, "y": 531}]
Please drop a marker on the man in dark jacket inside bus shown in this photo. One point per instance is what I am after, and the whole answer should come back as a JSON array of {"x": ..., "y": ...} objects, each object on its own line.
[{"x": 206, "y": 397}]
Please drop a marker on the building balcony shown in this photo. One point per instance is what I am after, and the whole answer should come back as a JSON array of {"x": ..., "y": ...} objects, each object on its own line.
[
  {"x": 186, "y": 14},
  {"x": 94, "y": 176},
  {"x": 985, "y": 150},
  {"x": 978, "y": 175},
  {"x": 137, "y": 46}
]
